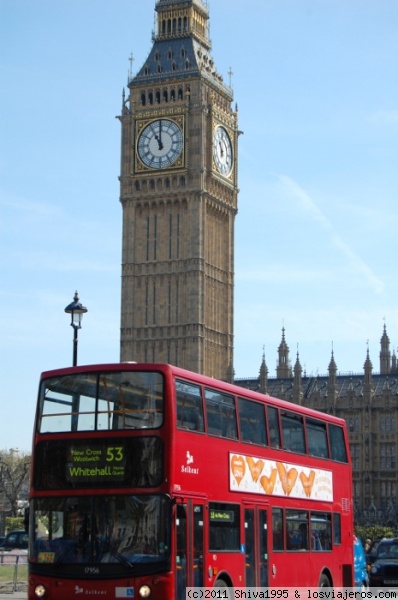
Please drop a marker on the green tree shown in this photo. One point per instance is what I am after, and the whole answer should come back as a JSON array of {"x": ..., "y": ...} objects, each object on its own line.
[
  {"x": 373, "y": 532},
  {"x": 14, "y": 481}
]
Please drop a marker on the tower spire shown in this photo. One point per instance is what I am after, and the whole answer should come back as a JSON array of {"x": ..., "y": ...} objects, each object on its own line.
[
  {"x": 283, "y": 369},
  {"x": 385, "y": 355}
]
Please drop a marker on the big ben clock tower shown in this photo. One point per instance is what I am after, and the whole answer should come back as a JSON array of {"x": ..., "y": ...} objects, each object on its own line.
[{"x": 178, "y": 189}]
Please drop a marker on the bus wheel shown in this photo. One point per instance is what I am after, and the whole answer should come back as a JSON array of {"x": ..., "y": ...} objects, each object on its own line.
[
  {"x": 324, "y": 581},
  {"x": 220, "y": 583}
]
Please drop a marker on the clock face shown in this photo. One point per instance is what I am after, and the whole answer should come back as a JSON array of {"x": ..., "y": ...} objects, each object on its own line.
[
  {"x": 222, "y": 151},
  {"x": 160, "y": 144}
]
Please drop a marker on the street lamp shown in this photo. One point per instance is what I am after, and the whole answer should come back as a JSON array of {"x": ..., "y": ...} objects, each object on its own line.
[{"x": 76, "y": 310}]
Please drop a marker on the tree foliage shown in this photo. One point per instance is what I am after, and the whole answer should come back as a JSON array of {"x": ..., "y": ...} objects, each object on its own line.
[
  {"x": 14, "y": 481},
  {"x": 373, "y": 532}
]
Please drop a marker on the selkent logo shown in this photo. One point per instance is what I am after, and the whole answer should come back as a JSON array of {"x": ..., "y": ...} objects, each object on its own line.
[
  {"x": 80, "y": 590},
  {"x": 187, "y": 468}
]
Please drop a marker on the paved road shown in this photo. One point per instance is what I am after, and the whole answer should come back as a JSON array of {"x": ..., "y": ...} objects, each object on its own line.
[{"x": 14, "y": 596}]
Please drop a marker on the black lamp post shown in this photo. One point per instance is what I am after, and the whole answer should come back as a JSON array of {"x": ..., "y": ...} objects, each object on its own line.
[{"x": 76, "y": 310}]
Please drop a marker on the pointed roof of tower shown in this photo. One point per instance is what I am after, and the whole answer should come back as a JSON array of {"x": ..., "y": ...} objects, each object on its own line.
[
  {"x": 263, "y": 376},
  {"x": 385, "y": 355},
  {"x": 297, "y": 365},
  {"x": 181, "y": 48},
  {"x": 384, "y": 341},
  {"x": 332, "y": 365},
  {"x": 263, "y": 366},
  {"x": 368, "y": 363},
  {"x": 283, "y": 345}
]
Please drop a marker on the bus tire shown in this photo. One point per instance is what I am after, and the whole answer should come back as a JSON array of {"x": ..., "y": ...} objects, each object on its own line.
[
  {"x": 324, "y": 581},
  {"x": 220, "y": 583}
]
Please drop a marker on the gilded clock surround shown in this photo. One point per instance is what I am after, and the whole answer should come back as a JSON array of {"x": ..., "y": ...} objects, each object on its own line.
[
  {"x": 141, "y": 127},
  {"x": 223, "y": 155}
]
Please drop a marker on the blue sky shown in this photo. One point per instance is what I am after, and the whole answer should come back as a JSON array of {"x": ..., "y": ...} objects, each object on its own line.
[{"x": 316, "y": 87}]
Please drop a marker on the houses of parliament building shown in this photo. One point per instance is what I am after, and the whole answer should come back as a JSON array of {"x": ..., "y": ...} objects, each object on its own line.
[
  {"x": 179, "y": 197},
  {"x": 368, "y": 401}
]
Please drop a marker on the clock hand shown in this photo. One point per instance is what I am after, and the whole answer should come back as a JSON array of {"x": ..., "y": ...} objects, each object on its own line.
[
  {"x": 160, "y": 136},
  {"x": 221, "y": 149},
  {"x": 159, "y": 141}
]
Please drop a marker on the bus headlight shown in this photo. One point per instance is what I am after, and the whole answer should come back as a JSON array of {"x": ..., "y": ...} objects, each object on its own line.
[
  {"x": 145, "y": 591},
  {"x": 40, "y": 591}
]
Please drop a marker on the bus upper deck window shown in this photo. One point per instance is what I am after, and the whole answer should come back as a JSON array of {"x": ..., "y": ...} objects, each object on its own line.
[
  {"x": 293, "y": 432},
  {"x": 337, "y": 443},
  {"x": 317, "y": 439},
  {"x": 252, "y": 422},
  {"x": 221, "y": 414},
  {"x": 273, "y": 427},
  {"x": 189, "y": 406}
]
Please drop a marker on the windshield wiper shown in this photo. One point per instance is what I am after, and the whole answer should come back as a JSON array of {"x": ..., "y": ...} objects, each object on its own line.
[{"x": 122, "y": 559}]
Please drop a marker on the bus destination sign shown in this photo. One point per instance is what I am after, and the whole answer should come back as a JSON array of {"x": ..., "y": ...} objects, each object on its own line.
[{"x": 95, "y": 462}]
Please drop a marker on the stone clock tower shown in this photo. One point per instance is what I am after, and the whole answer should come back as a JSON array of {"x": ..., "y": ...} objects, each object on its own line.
[{"x": 178, "y": 189}]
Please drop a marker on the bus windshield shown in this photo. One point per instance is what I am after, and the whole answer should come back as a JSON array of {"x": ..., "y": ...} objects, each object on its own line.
[
  {"x": 101, "y": 401},
  {"x": 123, "y": 530}
]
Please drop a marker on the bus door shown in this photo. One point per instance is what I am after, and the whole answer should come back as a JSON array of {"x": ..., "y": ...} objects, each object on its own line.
[
  {"x": 256, "y": 546},
  {"x": 190, "y": 547}
]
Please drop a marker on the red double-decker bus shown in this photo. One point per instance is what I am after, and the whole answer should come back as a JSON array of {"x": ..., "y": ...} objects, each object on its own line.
[{"x": 148, "y": 479}]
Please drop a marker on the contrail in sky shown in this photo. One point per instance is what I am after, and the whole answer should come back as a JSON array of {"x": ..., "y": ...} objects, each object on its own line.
[{"x": 310, "y": 206}]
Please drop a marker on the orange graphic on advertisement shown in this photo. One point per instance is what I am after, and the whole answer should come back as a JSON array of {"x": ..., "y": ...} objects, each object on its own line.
[
  {"x": 288, "y": 478},
  {"x": 255, "y": 467},
  {"x": 307, "y": 482},
  {"x": 238, "y": 468},
  {"x": 268, "y": 483}
]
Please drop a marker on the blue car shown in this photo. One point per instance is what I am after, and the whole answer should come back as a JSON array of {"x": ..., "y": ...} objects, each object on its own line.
[{"x": 361, "y": 578}]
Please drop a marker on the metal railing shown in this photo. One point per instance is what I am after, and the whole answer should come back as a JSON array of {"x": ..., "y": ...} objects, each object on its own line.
[{"x": 13, "y": 572}]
